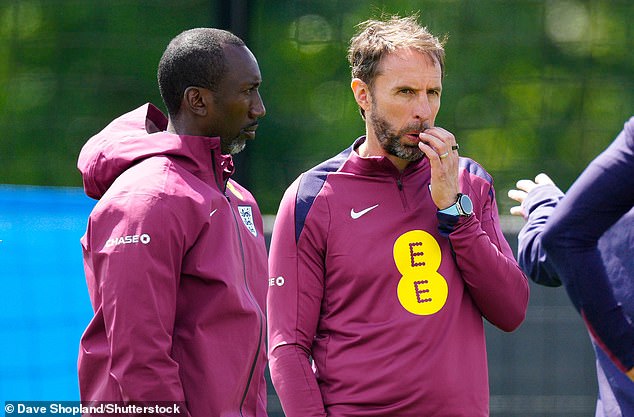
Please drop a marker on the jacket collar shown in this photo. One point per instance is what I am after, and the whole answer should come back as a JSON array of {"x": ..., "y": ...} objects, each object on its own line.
[
  {"x": 378, "y": 166},
  {"x": 197, "y": 148},
  {"x": 140, "y": 134}
]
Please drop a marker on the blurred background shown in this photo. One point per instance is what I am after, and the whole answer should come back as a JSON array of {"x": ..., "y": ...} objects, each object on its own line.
[{"x": 530, "y": 86}]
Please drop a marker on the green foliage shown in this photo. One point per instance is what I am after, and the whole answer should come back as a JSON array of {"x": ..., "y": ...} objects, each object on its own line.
[
  {"x": 531, "y": 85},
  {"x": 520, "y": 96},
  {"x": 68, "y": 67}
]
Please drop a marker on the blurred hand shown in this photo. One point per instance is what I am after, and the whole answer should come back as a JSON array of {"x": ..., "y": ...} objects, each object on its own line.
[
  {"x": 523, "y": 188},
  {"x": 630, "y": 374}
]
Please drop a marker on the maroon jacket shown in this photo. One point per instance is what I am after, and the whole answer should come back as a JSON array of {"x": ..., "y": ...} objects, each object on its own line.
[
  {"x": 175, "y": 262},
  {"x": 386, "y": 295}
]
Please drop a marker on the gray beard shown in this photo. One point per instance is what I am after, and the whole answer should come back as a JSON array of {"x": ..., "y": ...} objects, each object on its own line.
[
  {"x": 235, "y": 146},
  {"x": 390, "y": 140}
]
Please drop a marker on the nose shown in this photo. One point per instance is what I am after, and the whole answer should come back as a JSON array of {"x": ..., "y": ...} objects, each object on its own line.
[
  {"x": 422, "y": 111},
  {"x": 257, "y": 109}
]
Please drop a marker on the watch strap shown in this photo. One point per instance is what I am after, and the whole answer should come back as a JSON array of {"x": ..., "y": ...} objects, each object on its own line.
[
  {"x": 457, "y": 209},
  {"x": 452, "y": 210}
]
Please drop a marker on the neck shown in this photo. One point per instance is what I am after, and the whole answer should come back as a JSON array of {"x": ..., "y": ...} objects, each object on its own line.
[
  {"x": 180, "y": 126},
  {"x": 170, "y": 127}
]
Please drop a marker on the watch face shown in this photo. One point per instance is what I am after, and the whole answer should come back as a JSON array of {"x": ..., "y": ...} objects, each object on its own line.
[{"x": 466, "y": 204}]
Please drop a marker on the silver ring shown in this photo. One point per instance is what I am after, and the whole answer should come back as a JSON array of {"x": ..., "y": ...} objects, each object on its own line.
[
  {"x": 444, "y": 155},
  {"x": 455, "y": 147}
]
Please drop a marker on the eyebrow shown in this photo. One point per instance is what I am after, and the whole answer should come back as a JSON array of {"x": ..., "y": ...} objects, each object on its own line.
[
  {"x": 409, "y": 87},
  {"x": 254, "y": 81}
]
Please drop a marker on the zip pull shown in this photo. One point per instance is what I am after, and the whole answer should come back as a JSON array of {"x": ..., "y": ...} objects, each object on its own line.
[
  {"x": 222, "y": 185},
  {"x": 399, "y": 184},
  {"x": 224, "y": 191}
]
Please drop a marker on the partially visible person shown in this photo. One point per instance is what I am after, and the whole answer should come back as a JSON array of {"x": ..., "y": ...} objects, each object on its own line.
[
  {"x": 174, "y": 252},
  {"x": 586, "y": 240},
  {"x": 386, "y": 258}
]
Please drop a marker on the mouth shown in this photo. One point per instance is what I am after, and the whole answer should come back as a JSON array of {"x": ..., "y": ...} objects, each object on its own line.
[
  {"x": 413, "y": 137},
  {"x": 250, "y": 131}
]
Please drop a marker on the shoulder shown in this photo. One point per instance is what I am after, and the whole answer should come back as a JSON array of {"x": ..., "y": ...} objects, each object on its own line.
[
  {"x": 474, "y": 170},
  {"x": 310, "y": 183},
  {"x": 157, "y": 183},
  {"x": 475, "y": 180},
  {"x": 629, "y": 127},
  {"x": 628, "y": 134},
  {"x": 243, "y": 195},
  {"x": 302, "y": 195},
  {"x": 305, "y": 189}
]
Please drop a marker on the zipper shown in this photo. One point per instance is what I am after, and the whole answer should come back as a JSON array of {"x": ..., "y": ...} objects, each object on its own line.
[
  {"x": 223, "y": 189},
  {"x": 246, "y": 285},
  {"x": 399, "y": 184}
]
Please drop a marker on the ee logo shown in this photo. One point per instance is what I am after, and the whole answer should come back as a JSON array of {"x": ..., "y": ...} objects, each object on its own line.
[{"x": 421, "y": 289}]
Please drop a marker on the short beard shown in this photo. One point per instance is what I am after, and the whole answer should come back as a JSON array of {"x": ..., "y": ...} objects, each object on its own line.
[
  {"x": 233, "y": 146},
  {"x": 390, "y": 140}
]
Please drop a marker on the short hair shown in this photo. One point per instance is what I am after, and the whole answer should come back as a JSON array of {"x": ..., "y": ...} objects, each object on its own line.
[
  {"x": 194, "y": 58},
  {"x": 377, "y": 38}
]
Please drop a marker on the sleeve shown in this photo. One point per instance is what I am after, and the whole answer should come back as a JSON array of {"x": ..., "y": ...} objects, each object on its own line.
[
  {"x": 488, "y": 268},
  {"x": 137, "y": 247},
  {"x": 597, "y": 200},
  {"x": 293, "y": 306},
  {"x": 539, "y": 205},
  {"x": 295, "y": 382}
]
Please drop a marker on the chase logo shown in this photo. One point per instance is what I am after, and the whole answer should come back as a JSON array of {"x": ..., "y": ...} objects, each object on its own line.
[
  {"x": 276, "y": 281},
  {"x": 129, "y": 239}
]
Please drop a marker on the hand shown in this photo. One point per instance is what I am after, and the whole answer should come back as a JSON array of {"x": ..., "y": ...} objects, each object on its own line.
[
  {"x": 436, "y": 143},
  {"x": 630, "y": 374},
  {"x": 525, "y": 187}
]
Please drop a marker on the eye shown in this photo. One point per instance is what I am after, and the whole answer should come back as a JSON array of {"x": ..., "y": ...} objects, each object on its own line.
[
  {"x": 252, "y": 89},
  {"x": 433, "y": 92},
  {"x": 406, "y": 91}
]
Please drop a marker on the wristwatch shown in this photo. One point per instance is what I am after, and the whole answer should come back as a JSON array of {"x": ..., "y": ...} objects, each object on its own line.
[{"x": 462, "y": 207}]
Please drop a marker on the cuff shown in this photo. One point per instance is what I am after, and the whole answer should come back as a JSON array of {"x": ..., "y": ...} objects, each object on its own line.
[{"x": 448, "y": 223}]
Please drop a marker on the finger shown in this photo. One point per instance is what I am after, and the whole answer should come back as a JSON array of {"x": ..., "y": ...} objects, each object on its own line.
[
  {"x": 442, "y": 134},
  {"x": 517, "y": 211},
  {"x": 517, "y": 195},
  {"x": 438, "y": 138},
  {"x": 526, "y": 185},
  {"x": 444, "y": 176},
  {"x": 433, "y": 142},
  {"x": 543, "y": 179},
  {"x": 431, "y": 153},
  {"x": 446, "y": 160}
]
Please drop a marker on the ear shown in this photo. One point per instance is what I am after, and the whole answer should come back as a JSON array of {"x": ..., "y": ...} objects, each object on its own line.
[
  {"x": 196, "y": 101},
  {"x": 361, "y": 93}
]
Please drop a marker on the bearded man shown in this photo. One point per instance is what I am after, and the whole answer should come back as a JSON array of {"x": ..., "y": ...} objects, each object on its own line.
[{"x": 387, "y": 257}]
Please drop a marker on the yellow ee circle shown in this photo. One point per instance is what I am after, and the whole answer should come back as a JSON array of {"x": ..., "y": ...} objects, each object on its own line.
[{"x": 421, "y": 289}]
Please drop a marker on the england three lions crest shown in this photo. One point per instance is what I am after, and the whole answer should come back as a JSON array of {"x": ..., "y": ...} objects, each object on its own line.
[{"x": 247, "y": 218}]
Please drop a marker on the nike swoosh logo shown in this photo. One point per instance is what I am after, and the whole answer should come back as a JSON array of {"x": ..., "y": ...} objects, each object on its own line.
[
  {"x": 356, "y": 214},
  {"x": 213, "y": 212}
]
